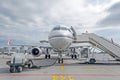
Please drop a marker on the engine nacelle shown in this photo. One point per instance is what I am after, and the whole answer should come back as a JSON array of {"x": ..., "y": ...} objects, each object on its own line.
[{"x": 36, "y": 51}]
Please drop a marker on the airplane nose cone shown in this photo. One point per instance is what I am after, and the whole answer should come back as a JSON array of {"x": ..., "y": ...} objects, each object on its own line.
[
  {"x": 60, "y": 40},
  {"x": 60, "y": 43}
]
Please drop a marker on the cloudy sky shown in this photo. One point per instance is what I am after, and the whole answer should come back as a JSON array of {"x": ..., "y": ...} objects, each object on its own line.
[{"x": 28, "y": 21}]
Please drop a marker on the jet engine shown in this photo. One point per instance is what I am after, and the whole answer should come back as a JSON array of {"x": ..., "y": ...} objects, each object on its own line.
[{"x": 36, "y": 51}]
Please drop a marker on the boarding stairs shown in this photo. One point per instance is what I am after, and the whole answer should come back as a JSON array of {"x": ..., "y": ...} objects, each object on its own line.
[{"x": 108, "y": 46}]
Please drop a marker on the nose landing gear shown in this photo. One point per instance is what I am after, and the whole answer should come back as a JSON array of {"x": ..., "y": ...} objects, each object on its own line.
[{"x": 60, "y": 59}]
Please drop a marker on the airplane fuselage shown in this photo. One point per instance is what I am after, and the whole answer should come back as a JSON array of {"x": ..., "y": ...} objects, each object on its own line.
[{"x": 61, "y": 38}]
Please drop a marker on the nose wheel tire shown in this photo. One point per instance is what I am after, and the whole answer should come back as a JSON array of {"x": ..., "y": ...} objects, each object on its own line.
[{"x": 60, "y": 60}]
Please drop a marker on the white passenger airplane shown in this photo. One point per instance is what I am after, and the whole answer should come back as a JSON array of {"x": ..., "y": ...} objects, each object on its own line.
[{"x": 60, "y": 38}]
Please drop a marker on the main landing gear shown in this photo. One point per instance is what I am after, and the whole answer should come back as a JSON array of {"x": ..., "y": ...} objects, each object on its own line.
[
  {"x": 74, "y": 56},
  {"x": 74, "y": 53},
  {"x": 47, "y": 56}
]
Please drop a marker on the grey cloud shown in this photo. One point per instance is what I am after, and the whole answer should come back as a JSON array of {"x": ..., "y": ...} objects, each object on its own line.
[
  {"x": 113, "y": 19},
  {"x": 7, "y": 12},
  {"x": 97, "y": 2},
  {"x": 17, "y": 9},
  {"x": 31, "y": 20},
  {"x": 115, "y": 8},
  {"x": 17, "y": 19}
]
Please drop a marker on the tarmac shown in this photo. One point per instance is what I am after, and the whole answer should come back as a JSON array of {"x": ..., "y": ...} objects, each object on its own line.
[{"x": 71, "y": 69}]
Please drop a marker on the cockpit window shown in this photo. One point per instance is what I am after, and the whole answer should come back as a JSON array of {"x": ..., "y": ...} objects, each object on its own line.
[
  {"x": 61, "y": 28},
  {"x": 64, "y": 28},
  {"x": 56, "y": 28}
]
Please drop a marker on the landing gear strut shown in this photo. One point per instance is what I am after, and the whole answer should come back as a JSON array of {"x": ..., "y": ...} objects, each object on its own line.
[
  {"x": 74, "y": 54},
  {"x": 47, "y": 55},
  {"x": 60, "y": 59}
]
